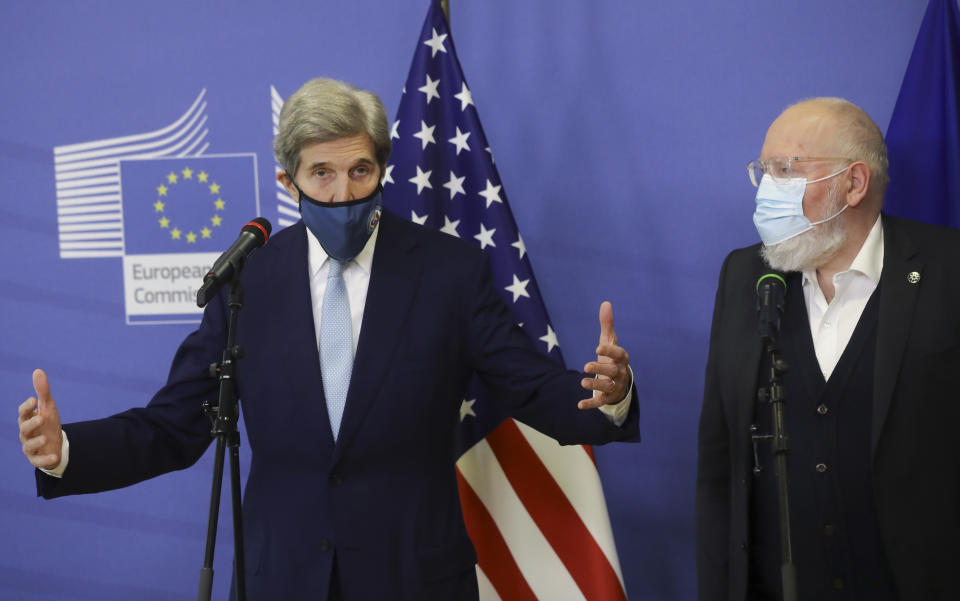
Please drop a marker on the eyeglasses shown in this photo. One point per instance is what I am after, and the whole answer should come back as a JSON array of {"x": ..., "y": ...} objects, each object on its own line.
[{"x": 781, "y": 168}]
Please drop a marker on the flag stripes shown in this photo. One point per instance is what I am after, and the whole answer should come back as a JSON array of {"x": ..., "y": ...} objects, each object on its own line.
[{"x": 550, "y": 508}]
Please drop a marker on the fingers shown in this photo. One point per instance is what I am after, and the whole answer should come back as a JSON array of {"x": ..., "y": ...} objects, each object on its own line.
[
  {"x": 599, "y": 384},
  {"x": 607, "y": 334},
  {"x": 590, "y": 403},
  {"x": 39, "y": 448},
  {"x": 616, "y": 354},
  {"x": 26, "y": 409}
]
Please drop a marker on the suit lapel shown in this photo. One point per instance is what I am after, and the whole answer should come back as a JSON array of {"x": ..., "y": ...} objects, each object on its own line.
[
  {"x": 394, "y": 279},
  {"x": 898, "y": 298},
  {"x": 293, "y": 331}
]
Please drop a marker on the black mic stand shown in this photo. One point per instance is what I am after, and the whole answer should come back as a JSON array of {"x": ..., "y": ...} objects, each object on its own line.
[
  {"x": 773, "y": 394},
  {"x": 223, "y": 419}
]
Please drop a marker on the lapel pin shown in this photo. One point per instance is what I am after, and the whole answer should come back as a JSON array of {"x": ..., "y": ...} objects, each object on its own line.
[{"x": 913, "y": 277}]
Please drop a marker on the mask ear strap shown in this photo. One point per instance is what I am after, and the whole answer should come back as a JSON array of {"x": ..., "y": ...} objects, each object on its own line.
[
  {"x": 834, "y": 174},
  {"x": 834, "y": 216}
]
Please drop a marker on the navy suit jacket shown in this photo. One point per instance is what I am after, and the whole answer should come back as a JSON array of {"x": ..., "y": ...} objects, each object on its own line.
[
  {"x": 383, "y": 497},
  {"x": 916, "y": 408}
]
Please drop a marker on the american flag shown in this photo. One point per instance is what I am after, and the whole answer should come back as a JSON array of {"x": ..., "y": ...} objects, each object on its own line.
[{"x": 535, "y": 511}]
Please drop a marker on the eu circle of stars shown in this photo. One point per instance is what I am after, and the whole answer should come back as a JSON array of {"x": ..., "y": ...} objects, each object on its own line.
[{"x": 166, "y": 195}]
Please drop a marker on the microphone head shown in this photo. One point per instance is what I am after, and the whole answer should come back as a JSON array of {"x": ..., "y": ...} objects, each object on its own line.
[
  {"x": 771, "y": 279},
  {"x": 260, "y": 228}
]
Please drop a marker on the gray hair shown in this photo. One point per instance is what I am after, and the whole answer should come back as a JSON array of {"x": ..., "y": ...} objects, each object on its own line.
[
  {"x": 323, "y": 110},
  {"x": 858, "y": 137}
]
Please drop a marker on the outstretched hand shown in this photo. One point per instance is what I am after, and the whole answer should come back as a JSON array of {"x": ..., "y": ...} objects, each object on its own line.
[
  {"x": 611, "y": 367},
  {"x": 39, "y": 421}
]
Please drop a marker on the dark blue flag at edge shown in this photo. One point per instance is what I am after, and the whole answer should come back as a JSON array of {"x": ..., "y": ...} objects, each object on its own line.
[{"x": 923, "y": 139}]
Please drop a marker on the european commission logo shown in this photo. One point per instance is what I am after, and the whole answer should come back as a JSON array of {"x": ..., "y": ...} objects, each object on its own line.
[{"x": 160, "y": 204}]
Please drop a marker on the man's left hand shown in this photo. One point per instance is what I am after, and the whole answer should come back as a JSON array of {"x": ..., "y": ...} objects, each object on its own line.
[{"x": 611, "y": 367}]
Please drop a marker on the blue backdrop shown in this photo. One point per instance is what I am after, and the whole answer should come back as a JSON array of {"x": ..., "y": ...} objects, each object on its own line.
[{"x": 620, "y": 128}]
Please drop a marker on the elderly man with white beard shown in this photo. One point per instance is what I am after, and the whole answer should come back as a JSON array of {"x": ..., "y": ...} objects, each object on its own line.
[{"x": 870, "y": 332}]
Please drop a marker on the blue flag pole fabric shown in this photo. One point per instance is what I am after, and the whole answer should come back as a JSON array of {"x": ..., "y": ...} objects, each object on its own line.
[
  {"x": 535, "y": 511},
  {"x": 923, "y": 139}
]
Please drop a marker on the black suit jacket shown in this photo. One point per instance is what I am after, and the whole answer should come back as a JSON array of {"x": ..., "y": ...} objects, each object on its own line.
[{"x": 916, "y": 412}]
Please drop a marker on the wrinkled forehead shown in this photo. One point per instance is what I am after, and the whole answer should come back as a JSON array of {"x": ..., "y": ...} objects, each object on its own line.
[{"x": 803, "y": 131}]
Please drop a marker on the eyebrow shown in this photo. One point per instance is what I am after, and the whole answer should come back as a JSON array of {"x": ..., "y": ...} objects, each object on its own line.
[{"x": 360, "y": 161}]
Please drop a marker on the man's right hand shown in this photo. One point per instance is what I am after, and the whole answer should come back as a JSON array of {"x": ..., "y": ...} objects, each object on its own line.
[{"x": 39, "y": 420}]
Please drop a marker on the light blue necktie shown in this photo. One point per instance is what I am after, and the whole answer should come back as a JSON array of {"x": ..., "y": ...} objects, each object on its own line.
[{"x": 336, "y": 344}]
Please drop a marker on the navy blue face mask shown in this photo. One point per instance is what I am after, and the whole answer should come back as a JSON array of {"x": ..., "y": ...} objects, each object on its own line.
[{"x": 342, "y": 228}]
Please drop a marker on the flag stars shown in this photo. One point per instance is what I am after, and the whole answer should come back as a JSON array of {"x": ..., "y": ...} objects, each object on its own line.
[
  {"x": 162, "y": 190},
  {"x": 466, "y": 408},
  {"x": 426, "y": 134},
  {"x": 460, "y": 141},
  {"x": 393, "y": 130},
  {"x": 171, "y": 178},
  {"x": 159, "y": 206},
  {"x": 205, "y": 232},
  {"x": 465, "y": 97},
  {"x": 450, "y": 227},
  {"x": 187, "y": 173},
  {"x": 436, "y": 43},
  {"x": 216, "y": 220},
  {"x": 164, "y": 222},
  {"x": 202, "y": 177},
  {"x": 492, "y": 194},
  {"x": 422, "y": 180},
  {"x": 485, "y": 237},
  {"x": 519, "y": 245},
  {"x": 219, "y": 204},
  {"x": 550, "y": 338},
  {"x": 191, "y": 238},
  {"x": 455, "y": 185},
  {"x": 430, "y": 89},
  {"x": 175, "y": 233},
  {"x": 214, "y": 188},
  {"x": 417, "y": 218},
  {"x": 387, "y": 176},
  {"x": 518, "y": 288}
]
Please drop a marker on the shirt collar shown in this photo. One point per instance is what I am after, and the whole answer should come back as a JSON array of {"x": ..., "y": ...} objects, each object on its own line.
[
  {"x": 869, "y": 260},
  {"x": 317, "y": 257}
]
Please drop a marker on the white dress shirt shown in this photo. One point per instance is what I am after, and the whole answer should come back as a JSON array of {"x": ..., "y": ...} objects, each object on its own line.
[{"x": 832, "y": 324}]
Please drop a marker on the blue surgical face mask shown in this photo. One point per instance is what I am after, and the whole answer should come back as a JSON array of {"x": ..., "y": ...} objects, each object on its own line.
[
  {"x": 779, "y": 213},
  {"x": 342, "y": 228}
]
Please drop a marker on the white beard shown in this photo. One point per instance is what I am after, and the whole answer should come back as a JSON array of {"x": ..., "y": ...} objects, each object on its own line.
[{"x": 813, "y": 248}]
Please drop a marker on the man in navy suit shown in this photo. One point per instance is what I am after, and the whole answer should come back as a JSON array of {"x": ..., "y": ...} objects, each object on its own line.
[{"x": 361, "y": 332}]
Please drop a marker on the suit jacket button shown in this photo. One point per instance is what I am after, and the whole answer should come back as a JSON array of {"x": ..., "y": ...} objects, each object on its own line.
[
  {"x": 822, "y": 409},
  {"x": 821, "y": 467},
  {"x": 324, "y": 544}
]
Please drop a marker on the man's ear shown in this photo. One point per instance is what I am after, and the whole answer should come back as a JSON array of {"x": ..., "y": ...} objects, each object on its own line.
[
  {"x": 858, "y": 182},
  {"x": 287, "y": 184}
]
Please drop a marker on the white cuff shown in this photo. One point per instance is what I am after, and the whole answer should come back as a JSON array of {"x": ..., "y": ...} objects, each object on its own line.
[{"x": 57, "y": 472}]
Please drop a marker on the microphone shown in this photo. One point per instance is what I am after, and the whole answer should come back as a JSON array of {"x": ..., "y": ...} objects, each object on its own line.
[
  {"x": 252, "y": 236},
  {"x": 771, "y": 289}
]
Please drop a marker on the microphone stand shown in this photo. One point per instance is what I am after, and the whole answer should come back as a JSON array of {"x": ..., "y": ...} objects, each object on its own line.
[
  {"x": 223, "y": 419},
  {"x": 773, "y": 394}
]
